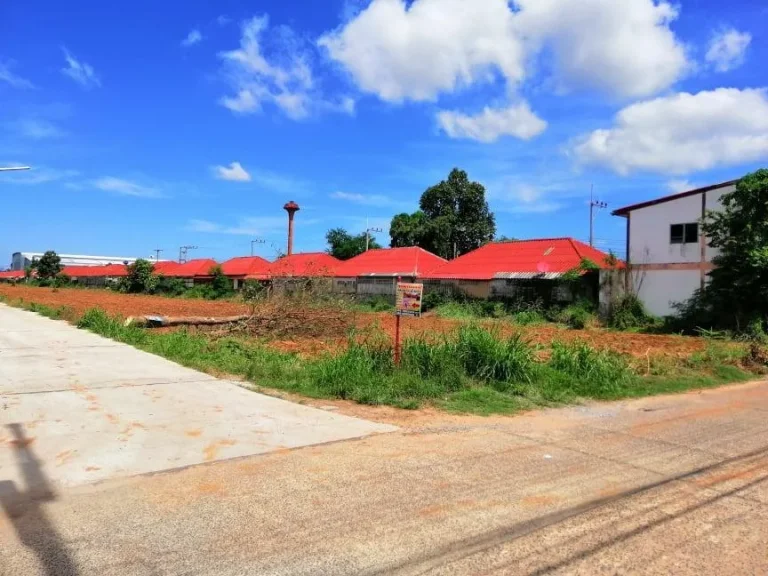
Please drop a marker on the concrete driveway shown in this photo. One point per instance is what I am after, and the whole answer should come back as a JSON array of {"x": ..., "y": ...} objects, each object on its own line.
[
  {"x": 94, "y": 409},
  {"x": 672, "y": 485}
]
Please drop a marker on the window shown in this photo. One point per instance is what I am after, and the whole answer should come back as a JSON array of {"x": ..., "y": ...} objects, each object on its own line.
[{"x": 684, "y": 233}]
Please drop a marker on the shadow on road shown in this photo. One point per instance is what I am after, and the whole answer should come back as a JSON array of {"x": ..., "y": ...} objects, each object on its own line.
[{"x": 25, "y": 509}]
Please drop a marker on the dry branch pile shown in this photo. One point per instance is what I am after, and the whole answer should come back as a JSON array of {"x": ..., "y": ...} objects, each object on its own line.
[{"x": 276, "y": 317}]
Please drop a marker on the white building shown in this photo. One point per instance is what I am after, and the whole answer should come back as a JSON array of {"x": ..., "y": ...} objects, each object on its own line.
[
  {"x": 20, "y": 260},
  {"x": 668, "y": 256}
]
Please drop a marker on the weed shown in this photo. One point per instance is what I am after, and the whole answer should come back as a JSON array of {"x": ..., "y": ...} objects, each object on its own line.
[{"x": 597, "y": 373}]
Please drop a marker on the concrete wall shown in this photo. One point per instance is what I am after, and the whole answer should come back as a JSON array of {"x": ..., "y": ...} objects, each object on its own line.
[{"x": 659, "y": 289}]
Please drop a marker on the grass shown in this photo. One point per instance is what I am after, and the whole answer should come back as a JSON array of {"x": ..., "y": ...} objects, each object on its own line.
[{"x": 474, "y": 370}]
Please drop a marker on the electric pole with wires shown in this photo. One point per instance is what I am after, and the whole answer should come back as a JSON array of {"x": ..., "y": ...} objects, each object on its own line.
[
  {"x": 592, "y": 205},
  {"x": 183, "y": 252}
]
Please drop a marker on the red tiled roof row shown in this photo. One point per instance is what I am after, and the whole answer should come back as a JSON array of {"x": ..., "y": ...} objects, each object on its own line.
[
  {"x": 532, "y": 257},
  {"x": 539, "y": 256}
]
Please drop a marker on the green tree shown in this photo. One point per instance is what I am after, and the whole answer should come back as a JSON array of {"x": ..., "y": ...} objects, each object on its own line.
[
  {"x": 343, "y": 245},
  {"x": 408, "y": 230},
  {"x": 735, "y": 296},
  {"x": 504, "y": 238},
  {"x": 221, "y": 286},
  {"x": 140, "y": 278},
  {"x": 49, "y": 266},
  {"x": 454, "y": 218}
]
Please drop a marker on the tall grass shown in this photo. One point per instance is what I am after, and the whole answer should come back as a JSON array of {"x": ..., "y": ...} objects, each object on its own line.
[{"x": 472, "y": 370}]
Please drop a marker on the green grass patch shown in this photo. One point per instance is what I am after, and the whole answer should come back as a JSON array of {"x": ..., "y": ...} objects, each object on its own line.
[{"x": 474, "y": 370}]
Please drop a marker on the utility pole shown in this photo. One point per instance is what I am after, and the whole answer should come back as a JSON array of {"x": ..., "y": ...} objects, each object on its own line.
[
  {"x": 592, "y": 205},
  {"x": 257, "y": 241},
  {"x": 157, "y": 254},
  {"x": 183, "y": 250},
  {"x": 368, "y": 235}
]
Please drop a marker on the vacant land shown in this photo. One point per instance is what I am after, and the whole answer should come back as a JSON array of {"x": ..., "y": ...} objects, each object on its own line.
[{"x": 78, "y": 301}]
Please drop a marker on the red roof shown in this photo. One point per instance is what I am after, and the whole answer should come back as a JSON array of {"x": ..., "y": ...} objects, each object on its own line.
[
  {"x": 199, "y": 268},
  {"x": 539, "y": 256},
  {"x": 164, "y": 267},
  {"x": 11, "y": 274},
  {"x": 303, "y": 265},
  {"x": 411, "y": 261},
  {"x": 246, "y": 266}
]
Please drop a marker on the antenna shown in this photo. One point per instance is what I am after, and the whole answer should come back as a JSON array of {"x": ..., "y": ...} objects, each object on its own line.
[
  {"x": 257, "y": 241},
  {"x": 592, "y": 205},
  {"x": 157, "y": 254},
  {"x": 183, "y": 250}
]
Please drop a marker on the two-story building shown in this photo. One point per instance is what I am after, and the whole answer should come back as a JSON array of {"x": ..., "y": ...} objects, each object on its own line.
[{"x": 667, "y": 255}]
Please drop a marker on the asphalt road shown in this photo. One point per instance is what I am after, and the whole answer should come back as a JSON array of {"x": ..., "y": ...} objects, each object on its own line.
[{"x": 670, "y": 485}]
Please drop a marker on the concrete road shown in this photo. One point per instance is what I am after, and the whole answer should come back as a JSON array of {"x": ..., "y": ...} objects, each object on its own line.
[
  {"x": 94, "y": 409},
  {"x": 671, "y": 485}
]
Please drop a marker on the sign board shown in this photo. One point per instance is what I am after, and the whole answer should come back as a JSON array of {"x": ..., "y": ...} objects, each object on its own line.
[{"x": 408, "y": 299}]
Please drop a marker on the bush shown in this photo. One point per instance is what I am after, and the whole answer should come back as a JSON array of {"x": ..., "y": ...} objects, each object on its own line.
[
  {"x": 578, "y": 315},
  {"x": 140, "y": 278},
  {"x": 432, "y": 300},
  {"x": 221, "y": 286},
  {"x": 628, "y": 312},
  {"x": 377, "y": 304},
  {"x": 171, "y": 286}
]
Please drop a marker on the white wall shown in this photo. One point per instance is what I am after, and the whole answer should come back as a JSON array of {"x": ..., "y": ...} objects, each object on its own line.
[
  {"x": 649, "y": 232},
  {"x": 649, "y": 229},
  {"x": 658, "y": 289}
]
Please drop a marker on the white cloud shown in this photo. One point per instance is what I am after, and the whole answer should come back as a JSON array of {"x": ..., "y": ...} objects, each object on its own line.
[
  {"x": 416, "y": 51},
  {"x": 36, "y": 175},
  {"x": 520, "y": 198},
  {"x": 625, "y": 48},
  {"x": 727, "y": 48},
  {"x": 234, "y": 172},
  {"x": 284, "y": 80},
  {"x": 36, "y": 129},
  {"x": 223, "y": 20},
  {"x": 124, "y": 187},
  {"x": 680, "y": 185},
  {"x": 192, "y": 38},
  {"x": 683, "y": 133},
  {"x": 492, "y": 123},
  {"x": 81, "y": 72},
  {"x": 367, "y": 199},
  {"x": 14, "y": 80}
]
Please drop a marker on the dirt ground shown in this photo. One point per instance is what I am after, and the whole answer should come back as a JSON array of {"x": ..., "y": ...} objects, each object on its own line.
[{"x": 80, "y": 300}]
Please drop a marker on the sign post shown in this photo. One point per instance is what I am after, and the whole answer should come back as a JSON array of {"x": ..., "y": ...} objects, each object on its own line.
[{"x": 407, "y": 303}]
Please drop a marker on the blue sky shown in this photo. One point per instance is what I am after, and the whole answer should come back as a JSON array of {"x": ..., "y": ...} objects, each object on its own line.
[{"x": 157, "y": 124}]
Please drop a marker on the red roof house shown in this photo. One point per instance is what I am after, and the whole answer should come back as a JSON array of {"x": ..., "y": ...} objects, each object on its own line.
[
  {"x": 199, "y": 268},
  {"x": 409, "y": 262},
  {"x": 303, "y": 265},
  {"x": 545, "y": 258},
  {"x": 165, "y": 267},
  {"x": 12, "y": 275},
  {"x": 246, "y": 267}
]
